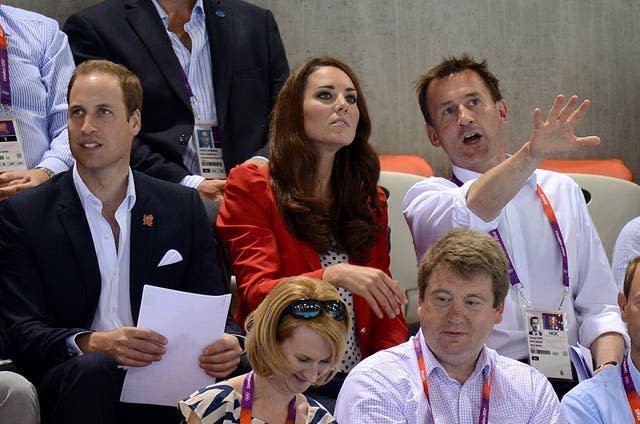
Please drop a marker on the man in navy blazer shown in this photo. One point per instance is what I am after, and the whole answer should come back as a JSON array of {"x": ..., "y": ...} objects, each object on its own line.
[
  {"x": 248, "y": 66},
  {"x": 75, "y": 253}
]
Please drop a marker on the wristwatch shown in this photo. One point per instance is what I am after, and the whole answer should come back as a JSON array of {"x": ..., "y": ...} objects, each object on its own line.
[{"x": 47, "y": 171}]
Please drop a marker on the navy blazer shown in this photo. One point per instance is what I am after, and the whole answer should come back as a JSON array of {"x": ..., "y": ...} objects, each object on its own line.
[
  {"x": 50, "y": 280},
  {"x": 249, "y": 67}
]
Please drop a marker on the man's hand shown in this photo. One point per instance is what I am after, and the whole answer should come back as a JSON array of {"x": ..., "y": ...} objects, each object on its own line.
[
  {"x": 257, "y": 161},
  {"x": 129, "y": 346},
  {"x": 379, "y": 290},
  {"x": 15, "y": 181},
  {"x": 221, "y": 358},
  {"x": 555, "y": 135},
  {"x": 212, "y": 189}
]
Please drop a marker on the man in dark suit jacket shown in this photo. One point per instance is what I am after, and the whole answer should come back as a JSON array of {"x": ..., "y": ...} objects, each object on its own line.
[
  {"x": 248, "y": 67},
  {"x": 64, "y": 251}
]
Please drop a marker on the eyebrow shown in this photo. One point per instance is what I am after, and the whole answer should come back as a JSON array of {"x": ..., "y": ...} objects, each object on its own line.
[
  {"x": 332, "y": 87},
  {"x": 466, "y": 96}
]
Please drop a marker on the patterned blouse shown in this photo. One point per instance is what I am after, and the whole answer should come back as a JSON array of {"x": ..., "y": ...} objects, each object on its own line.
[{"x": 219, "y": 404}]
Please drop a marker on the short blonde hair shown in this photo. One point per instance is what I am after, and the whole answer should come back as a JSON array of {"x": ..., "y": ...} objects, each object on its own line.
[{"x": 267, "y": 327}]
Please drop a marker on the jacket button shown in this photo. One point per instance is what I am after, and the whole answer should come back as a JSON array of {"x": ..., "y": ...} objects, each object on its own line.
[{"x": 182, "y": 139}]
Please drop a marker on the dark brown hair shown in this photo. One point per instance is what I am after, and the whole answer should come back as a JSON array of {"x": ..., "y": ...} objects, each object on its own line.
[
  {"x": 294, "y": 173},
  {"x": 455, "y": 65}
]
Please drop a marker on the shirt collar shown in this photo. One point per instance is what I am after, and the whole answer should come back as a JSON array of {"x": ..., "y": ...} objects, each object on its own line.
[
  {"x": 87, "y": 196},
  {"x": 483, "y": 364},
  {"x": 465, "y": 175},
  {"x": 198, "y": 10}
]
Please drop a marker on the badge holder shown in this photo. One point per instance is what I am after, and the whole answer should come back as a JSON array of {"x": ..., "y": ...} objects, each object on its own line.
[
  {"x": 11, "y": 150},
  {"x": 209, "y": 147},
  {"x": 548, "y": 343}
]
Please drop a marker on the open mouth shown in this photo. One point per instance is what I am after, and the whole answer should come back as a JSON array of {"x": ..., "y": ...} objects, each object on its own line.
[
  {"x": 471, "y": 138},
  {"x": 340, "y": 123},
  {"x": 89, "y": 145}
]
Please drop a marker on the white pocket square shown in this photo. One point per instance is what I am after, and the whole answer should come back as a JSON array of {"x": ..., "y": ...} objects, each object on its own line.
[{"x": 171, "y": 257}]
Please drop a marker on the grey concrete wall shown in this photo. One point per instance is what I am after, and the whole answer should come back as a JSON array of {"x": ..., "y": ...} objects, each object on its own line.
[{"x": 537, "y": 48}]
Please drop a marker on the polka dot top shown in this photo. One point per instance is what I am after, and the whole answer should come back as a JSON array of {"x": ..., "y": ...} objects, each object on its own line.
[{"x": 352, "y": 354}]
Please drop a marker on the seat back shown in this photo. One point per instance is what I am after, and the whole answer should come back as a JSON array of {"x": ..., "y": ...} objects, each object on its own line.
[
  {"x": 612, "y": 202},
  {"x": 408, "y": 164},
  {"x": 403, "y": 257}
]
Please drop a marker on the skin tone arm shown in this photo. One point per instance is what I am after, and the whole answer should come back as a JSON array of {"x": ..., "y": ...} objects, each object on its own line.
[
  {"x": 494, "y": 189},
  {"x": 607, "y": 347},
  {"x": 15, "y": 181}
]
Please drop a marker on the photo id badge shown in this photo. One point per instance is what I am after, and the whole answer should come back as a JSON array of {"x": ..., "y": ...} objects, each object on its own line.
[
  {"x": 547, "y": 342},
  {"x": 209, "y": 146},
  {"x": 11, "y": 151}
]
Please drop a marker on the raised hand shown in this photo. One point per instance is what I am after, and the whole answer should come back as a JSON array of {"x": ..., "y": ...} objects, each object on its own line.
[{"x": 555, "y": 135}]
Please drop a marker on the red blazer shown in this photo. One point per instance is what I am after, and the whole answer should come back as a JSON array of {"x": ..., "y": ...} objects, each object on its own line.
[{"x": 263, "y": 252}]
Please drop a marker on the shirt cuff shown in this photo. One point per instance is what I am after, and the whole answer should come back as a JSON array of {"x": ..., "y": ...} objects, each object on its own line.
[
  {"x": 192, "y": 181},
  {"x": 54, "y": 164},
  {"x": 72, "y": 346}
]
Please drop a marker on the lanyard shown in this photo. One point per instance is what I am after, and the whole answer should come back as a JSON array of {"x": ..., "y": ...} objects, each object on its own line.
[
  {"x": 483, "y": 418},
  {"x": 632, "y": 395},
  {"x": 247, "y": 402},
  {"x": 555, "y": 227},
  {"x": 5, "y": 87}
]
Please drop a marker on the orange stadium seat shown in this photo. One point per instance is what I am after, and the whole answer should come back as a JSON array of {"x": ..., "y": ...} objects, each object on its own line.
[{"x": 407, "y": 164}]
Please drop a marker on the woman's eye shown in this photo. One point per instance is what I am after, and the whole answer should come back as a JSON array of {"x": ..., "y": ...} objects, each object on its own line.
[
  {"x": 351, "y": 99},
  {"x": 324, "y": 95}
]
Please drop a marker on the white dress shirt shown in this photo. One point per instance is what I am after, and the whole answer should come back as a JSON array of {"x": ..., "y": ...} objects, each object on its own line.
[
  {"x": 435, "y": 205},
  {"x": 197, "y": 66},
  {"x": 114, "y": 305}
]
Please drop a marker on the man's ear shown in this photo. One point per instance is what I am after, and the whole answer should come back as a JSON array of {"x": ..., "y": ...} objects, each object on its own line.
[
  {"x": 135, "y": 122},
  {"x": 499, "y": 312},
  {"x": 432, "y": 134},
  {"x": 622, "y": 303},
  {"x": 503, "y": 110}
]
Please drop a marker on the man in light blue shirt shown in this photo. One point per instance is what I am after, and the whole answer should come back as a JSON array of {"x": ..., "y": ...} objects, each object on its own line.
[
  {"x": 445, "y": 373},
  {"x": 40, "y": 65},
  {"x": 603, "y": 398}
]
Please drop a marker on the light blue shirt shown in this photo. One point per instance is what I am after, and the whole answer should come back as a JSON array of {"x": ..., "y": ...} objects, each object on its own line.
[
  {"x": 627, "y": 247},
  {"x": 601, "y": 399},
  {"x": 40, "y": 66},
  {"x": 197, "y": 66},
  {"x": 386, "y": 388}
]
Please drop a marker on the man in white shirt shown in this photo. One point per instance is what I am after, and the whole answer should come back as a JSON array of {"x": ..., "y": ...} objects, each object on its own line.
[
  {"x": 558, "y": 264},
  {"x": 76, "y": 253},
  {"x": 445, "y": 373}
]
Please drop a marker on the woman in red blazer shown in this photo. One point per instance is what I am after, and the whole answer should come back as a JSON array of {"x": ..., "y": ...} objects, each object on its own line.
[{"x": 316, "y": 209}]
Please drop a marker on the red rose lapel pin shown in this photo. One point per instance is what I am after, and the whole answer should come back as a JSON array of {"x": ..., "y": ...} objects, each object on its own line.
[{"x": 147, "y": 220}]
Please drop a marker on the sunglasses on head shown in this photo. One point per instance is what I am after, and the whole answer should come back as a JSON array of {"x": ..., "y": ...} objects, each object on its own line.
[{"x": 311, "y": 308}]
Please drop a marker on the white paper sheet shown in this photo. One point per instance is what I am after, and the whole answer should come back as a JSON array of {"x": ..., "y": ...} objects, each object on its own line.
[
  {"x": 190, "y": 322},
  {"x": 582, "y": 361}
]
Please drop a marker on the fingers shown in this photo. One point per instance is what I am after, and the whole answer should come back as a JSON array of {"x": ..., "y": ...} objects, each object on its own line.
[
  {"x": 221, "y": 358},
  {"x": 577, "y": 114},
  {"x": 567, "y": 109},
  {"x": 555, "y": 108},
  {"x": 137, "y": 347}
]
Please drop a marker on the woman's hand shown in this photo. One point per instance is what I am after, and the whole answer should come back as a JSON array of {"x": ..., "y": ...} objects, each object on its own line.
[{"x": 379, "y": 290}]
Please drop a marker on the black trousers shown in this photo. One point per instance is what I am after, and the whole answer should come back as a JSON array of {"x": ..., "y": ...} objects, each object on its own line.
[{"x": 87, "y": 388}]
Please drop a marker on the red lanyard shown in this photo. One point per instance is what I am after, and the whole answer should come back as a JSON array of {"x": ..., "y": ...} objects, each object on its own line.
[
  {"x": 629, "y": 388},
  {"x": 5, "y": 87},
  {"x": 483, "y": 418},
  {"x": 555, "y": 227},
  {"x": 247, "y": 402}
]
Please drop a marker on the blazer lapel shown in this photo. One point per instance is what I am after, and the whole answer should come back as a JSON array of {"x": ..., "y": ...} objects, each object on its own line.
[
  {"x": 219, "y": 21},
  {"x": 143, "y": 229},
  {"x": 145, "y": 21},
  {"x": 74, "y": 222}
]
